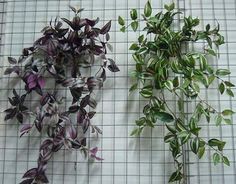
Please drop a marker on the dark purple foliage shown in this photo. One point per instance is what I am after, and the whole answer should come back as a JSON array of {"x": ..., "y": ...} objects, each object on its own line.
[
  {"x": 62, "y": 51},
  {"x": 93, "y": 154}
]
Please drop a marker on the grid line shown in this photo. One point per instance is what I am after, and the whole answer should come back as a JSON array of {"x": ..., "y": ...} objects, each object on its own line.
[{"x": 143, "y": 160}]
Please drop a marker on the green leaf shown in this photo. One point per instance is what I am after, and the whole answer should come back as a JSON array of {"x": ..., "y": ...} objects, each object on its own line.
[
  {"x": 230, "y": 92},
  {"x": 216, "y": 158},
  {"x": 169, "y": 137},
  {"x": 154, "y": 102},
  {"x": 146, "y": 91},
  {"x": 192, "y": 124},
  {"x": 133, "y": 87},
  {"x": 203, "y": 62},
  {"x": 171, "y": 6},
  {"x": 218, "y": 120},
  {"x": 201, "y": 152},
  {"x": 211, "y": 52},
  {"x": 141, "y": 121},
  {"x": 194, "y": 145},
  {"x": 149, "y": 123},
  {"x": 122, "y": 29},
  {"x": 227, "y": 112},
  {"x": 134, "y": 25},
  {"x": 221, "y": 88},
  {"x": 179, "y": 125},
  {"x": 166, "y": 7},
  {"x": 121, "y": 21},
  {"x": 183, "y": 133},
  {"x": 140, "y": 38},
  {"x": 134, "y": 46},
  {"x": 228, "y": 121},
  {"x": 225, "y": 160},
  {"x": 186, "y": 83},
  {"x": 185, "y": 139},
  {"x": 216, "y": 142},
  {"x": 176, "y": 176},
  {"x": 211, "y": 79},
  {"x": 208, "y": 27},
  {"x": 133, "y": 14},
  {"x": 169, "y": 85},
  {"x": 222, "y": 72},
  {"x": 147, "y": 9},
  {"x": 134, "y": 132},
  {"x": 176, "y": 82},
  {"x": 164, "y": 116},
  {"x": 171, "y": 129},
  {"x": 180, "y": 104},
  {"x": 229, "y": 84}
]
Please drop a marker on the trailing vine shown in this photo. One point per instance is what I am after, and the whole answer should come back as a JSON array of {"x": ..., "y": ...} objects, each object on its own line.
[
  {"x": 61, "y": 59},
  {"x": 166, "y": 65}
]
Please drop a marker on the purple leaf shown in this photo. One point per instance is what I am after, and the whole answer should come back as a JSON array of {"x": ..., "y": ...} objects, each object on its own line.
[
  {"x": 38, "y": 125},
  {"x": 42, "y": 165},
  {"x": 44, "y": 99},
  {"x": 8, "y": 111},
  {"x": 93, "y": 153},
  {"x": 46, "y": 144},
  {"x": 92, "y": 103},
  {"x": 106, "y": 28},
  {"x": 22, "y": 98},
  {"x": 103, "y": 74},
  {"x": 80, "y": 117},
  {"x": 86, "y": 124},
  {"x": 12, "y": 102},
  {"x": 10, "y": 114},
  {"x": 31, "y": 81},
  {"x": 27, "y": 181},
  {"x": 76, "y": 93},
  {"x": 15, "y": 93},
  {"x": 83, "y": 141},
  {"x": 113, "y": 67},
  {"x": 107, "y": 37},
  {"x": 94, "y": 150},
  {"x": 73, "y": 109},
  {"x": 23, "y": 108},
  {"x": 12, "y": 60},
  {"x": 98, "y": 130},
  {"x": 68, "y": 82},
  {"x": 30, "y": 173},
  {"x": 91, "y": 114},
  {"x": 19, "y": 117},
  {"x": 92, "y": 22},
  {"x": 25, "y": 129},
  {"x": 43, "y": 178},
  {"x": 76, "y": 144},
  {"x": 85, "y": 101},
  {"x": 71, "y": 131},
  {"x": 41, "y": 82},
  {"x": 25, "y": 52},
  {"x": 8, "y": 71},
  {"x": 73, "y": 8},
  {"x": 97, "y": 158},
  {"x": 57, "y": 147}
]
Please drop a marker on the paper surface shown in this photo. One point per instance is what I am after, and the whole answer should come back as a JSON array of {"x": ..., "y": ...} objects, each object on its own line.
[{"x": 128, "y": 160}]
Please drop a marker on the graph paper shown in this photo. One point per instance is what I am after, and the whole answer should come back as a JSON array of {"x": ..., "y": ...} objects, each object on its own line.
[{"x": 127, "y": 160}]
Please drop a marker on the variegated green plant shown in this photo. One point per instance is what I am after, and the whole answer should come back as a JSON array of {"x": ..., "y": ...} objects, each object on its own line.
[{"x": 166, "y": 64}]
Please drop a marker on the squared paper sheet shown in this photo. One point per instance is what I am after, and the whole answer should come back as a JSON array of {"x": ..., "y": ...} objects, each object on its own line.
[{"x": 128, "y": 160}]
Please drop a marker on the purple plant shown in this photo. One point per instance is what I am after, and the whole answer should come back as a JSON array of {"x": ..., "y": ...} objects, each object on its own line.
[{"x": 62, "y": 57}]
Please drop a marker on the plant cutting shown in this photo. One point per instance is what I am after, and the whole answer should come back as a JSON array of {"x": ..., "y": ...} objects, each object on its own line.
[
  {"x": 63, "y": 59},
  {"x": 167, "y": 65}
]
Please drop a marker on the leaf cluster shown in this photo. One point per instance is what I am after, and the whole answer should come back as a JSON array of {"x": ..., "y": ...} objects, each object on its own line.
[
  {"x": 64, "y": 53},
  {"x": 165, "y": 64}
]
